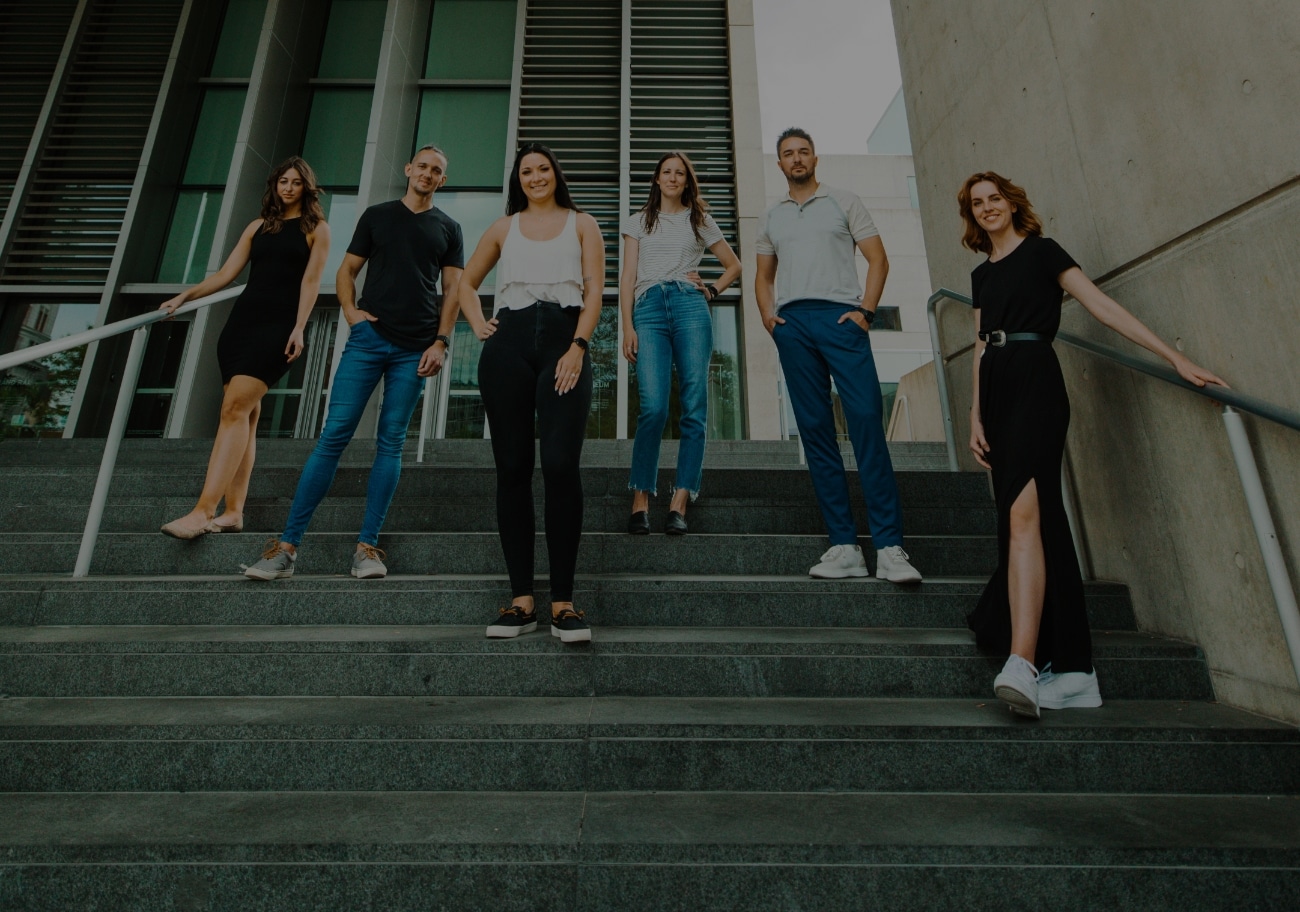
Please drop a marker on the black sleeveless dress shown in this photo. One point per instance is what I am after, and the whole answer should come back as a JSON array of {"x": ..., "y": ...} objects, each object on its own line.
[
  {"x": 257, "y": 330},
  {"x": 1026, "y": 414}
]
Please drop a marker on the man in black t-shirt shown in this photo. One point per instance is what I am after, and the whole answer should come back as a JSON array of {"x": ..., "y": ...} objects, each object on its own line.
[{"x": 400, "y": 334}]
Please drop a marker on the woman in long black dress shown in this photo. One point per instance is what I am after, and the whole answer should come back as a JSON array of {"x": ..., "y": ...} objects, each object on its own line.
[
  {"x": 1033, "y": 606},
  {"x": 263, "y": 335}
]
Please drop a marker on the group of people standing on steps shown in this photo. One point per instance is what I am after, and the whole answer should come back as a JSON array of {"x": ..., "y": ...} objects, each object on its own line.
[{"x": 535, "y": 374}]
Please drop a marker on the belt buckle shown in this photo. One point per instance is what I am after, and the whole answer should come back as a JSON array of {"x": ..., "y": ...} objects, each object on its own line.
[{"x": 998, "y": 338}]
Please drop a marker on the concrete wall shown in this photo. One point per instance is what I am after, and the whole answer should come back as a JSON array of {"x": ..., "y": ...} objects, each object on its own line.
[{"x": 1158, "y": 143}]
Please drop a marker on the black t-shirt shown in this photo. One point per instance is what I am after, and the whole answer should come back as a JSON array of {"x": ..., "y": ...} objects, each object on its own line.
[
  {"x": 1021, "y": 292},
  {"x": 406, "y": 252}
]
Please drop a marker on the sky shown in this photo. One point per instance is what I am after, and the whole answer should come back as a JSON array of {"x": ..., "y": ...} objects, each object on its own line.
[{"x": 829, "y": 66}]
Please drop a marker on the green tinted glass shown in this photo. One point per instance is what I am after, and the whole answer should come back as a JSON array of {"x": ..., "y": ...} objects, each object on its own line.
[
  {"x": 470, "y": 126},
  {"x": 336, "y": 135},
  {"x": 214, "y": 138},
  {"x": 240, "y": 31},
  {"x": 471, "y": 39},
  {"x": 189, "y": 242},
  {"x": 352, "y": 39},
  {"x": 474, "y": 211}
]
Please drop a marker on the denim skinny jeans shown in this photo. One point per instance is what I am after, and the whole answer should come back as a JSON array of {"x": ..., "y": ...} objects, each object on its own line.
[
  {"x": 367, "y": 358},
  {"x": 673, "y": 327}
]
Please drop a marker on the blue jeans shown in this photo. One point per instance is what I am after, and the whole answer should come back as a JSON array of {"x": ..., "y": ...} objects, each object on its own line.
[
  {"x": 813, "y": 349},
  {"x": 673, "y": 326},
  {"x": 367, "y": 358}
]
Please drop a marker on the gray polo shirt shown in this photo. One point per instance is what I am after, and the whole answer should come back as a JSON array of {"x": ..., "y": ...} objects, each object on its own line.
[{"x": 814, "y": 244}]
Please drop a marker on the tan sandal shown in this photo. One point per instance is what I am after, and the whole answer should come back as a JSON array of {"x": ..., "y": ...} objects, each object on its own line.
[
  {"x": 184, "y": 533},
  {"x": 218, "y": 528}
]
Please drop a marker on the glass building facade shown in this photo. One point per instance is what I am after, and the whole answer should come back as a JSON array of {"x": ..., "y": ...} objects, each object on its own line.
[{"x": 136, "y": 137}]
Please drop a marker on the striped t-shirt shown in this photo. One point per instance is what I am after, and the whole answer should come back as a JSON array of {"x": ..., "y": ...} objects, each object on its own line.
[{"x": 672, "y": 250}]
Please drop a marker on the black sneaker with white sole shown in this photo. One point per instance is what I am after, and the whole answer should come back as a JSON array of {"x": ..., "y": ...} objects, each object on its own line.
[
  {"x": 570, "y": 627},
  {"x": 512, "y": 622}
]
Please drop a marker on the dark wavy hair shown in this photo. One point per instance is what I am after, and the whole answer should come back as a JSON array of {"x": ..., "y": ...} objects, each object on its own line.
[
  {"x": 1024, "y": 219},
  {"x": 273, "y": 206},
  {"x": 691, "y": 198},
  {"x": 517, "y": 200}
]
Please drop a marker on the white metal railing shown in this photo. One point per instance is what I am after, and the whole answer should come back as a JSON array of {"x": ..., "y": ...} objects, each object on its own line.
[
  {"x": 1243, "y": 455},
  {"x": 139, "y": 327}
]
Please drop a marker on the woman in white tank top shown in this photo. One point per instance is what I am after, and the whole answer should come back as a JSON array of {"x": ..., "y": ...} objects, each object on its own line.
[{"x": 550, "y": 260}]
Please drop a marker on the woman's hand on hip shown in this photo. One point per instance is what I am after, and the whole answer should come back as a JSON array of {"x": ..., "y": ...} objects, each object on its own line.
[
  {"x": 296, "y": 345},
  {"x": 979, "y": 446},
  {"x": 629, "y": 345},
  {"x": 568, "y": 369},
  {"x": 485, "y": 331}
]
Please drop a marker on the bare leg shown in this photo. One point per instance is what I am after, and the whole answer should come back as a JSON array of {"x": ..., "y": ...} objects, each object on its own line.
[
  {"x": 1026, "y": 573},
  {"x": 237, "y": 491},
  {"x": 228, "y": 450},
  {"x": 681, "y": 497},
  {"x": 640, "y": 501}
]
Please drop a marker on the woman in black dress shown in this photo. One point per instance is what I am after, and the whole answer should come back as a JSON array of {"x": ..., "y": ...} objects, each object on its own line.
[
  {"x": 1033, "y": 606},
  {"x": 263, "y": 335}
]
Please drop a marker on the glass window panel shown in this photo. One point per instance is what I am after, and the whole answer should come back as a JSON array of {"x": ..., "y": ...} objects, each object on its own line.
[
  {"x": 471, "y": 39},
  {"x": 189, "y": 242},
  {"x": 475, "y": 210},
  {"x": 470, "y": 126},
  {"x": 214, "y": 138},
  {"x": 341, "y": 213},
  {"x": 336, "y": 135},
  {"x": 35, "y": 397},
  {"x": 602, "y": 420},
  {"x": 466, "y": 417},
  {"x": 352, "y": 38},
  {"x": 240, "y": 31},
  {"x": 280, "y": 406},
  {"x": 726, "y": 387}
]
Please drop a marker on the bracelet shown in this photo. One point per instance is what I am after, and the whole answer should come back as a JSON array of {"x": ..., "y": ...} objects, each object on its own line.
[{"x": 581, "y": 342}]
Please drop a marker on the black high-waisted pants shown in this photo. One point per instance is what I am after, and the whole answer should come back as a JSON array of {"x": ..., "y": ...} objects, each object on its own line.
[{"x": 516, "y": 377}]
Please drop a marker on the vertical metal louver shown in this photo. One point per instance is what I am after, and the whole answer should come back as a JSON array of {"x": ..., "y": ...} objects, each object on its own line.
[
  {"x": 73, "y": 213},
  {"x": 32, "y": 34},
  {"x": 570, "y": 92},
  {"x": 681, "y": 98}
]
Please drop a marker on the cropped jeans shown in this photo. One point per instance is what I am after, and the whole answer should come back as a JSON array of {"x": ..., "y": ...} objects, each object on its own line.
[
  {"x": 673, "y": 327},
  {"x": 367, "y": 358}
]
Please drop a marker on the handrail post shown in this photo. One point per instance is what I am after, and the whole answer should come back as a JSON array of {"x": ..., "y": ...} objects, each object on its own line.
[
  {"x": 941, "y": 381},
  {"x": 121, "y": 412},
  {"x": 1262, "y": 518}
]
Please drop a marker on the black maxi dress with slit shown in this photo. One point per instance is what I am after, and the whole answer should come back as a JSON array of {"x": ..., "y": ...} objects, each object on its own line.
[{"x": 1026, "y": 413}]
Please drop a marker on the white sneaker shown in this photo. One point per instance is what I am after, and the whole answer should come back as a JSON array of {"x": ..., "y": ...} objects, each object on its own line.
[
  {"x": 892, "y": 565},
  {"x": 1017, "y": 686},
  {"x": 1068, "y": 690},
  {"x": 839, "y": 562}
]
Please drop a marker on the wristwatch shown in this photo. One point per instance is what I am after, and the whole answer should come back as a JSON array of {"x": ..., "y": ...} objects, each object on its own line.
[
  {"x": 580, "y": 342},
  {"x": 869, "y": 314},
  {"x": 446, "y": 341}
]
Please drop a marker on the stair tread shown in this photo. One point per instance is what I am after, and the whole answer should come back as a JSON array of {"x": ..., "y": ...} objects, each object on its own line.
[
  {"x": 368, "y": 718},
  {"x": 646, "y": 828}
]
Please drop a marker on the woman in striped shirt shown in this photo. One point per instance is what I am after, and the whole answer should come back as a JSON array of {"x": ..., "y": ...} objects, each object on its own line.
[{"x": 666, "y": 322}]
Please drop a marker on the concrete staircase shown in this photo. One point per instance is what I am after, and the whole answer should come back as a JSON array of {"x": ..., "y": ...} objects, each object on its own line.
[{"x": 173, "y": 736}]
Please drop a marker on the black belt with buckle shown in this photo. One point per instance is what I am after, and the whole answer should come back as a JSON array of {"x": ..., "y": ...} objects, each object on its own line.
[{"x": 997, "y": 338}]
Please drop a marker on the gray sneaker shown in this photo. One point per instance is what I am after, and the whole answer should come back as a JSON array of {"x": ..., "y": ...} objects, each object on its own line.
[
  {"x": 276, "y": 563},
  {"x": 368, "y": 563}
]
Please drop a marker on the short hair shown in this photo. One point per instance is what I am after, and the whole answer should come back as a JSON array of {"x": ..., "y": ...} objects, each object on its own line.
[
  {"x": 430, "y": 148},
  {"x": 794, "y": 133}
]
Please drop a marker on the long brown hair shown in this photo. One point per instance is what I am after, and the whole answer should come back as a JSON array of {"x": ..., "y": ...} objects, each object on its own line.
[
  {"x": 273, "y": 206},
  {"x": 1024, "y": 220},
  {"x": 691, "y": 198}
]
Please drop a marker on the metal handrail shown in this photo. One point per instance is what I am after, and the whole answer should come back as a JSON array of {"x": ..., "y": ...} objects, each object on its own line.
[
  {"x": 139, "y": 326},
  {"x": 1243, "y": 454}
]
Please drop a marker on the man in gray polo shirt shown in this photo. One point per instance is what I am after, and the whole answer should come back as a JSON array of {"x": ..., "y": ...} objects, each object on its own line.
[{"x": 819, "y": 316}]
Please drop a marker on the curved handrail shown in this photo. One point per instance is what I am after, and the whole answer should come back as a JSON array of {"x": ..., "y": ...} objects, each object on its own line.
[
  {"x": 108, "y": 330},
  {"x": 1243, "y": 402}
]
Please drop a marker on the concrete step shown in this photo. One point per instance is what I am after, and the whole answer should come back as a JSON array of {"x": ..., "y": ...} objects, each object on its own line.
[
  {"x": 678, "y": 850},
  {"x": 925, "y": 455},
  {"x": 634, "y": 744},
  {"x": 125, "y": 661},
  {"x": 135, "y": 553},
  {"x": 608, "y": 513},
  {"x": 788, "y": 486},
  {"x": 624, "y": 600}
]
